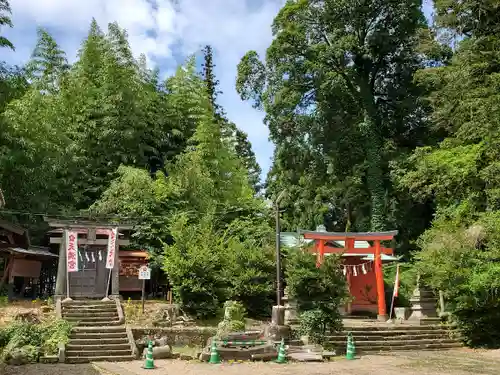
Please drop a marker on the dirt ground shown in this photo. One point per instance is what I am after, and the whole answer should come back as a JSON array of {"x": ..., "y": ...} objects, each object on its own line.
[
  {"x": 8, "y": 312},
  {"x": 456, "y": 362}
]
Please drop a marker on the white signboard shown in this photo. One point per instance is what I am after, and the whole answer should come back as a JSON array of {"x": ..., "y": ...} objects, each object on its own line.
[
  {"x": 110, "y": 258},
  {"x": 144, "y": 273},
  {"x": 72, "y": 251}
]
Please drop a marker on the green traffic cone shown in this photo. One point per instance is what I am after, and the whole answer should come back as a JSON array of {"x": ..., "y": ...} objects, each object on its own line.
[
  {"x": 351, "y": 349},
  {"x": 149, "y": 363},
  {"x": 214, "y": 354},
  {"x": 281, "y": 353}
]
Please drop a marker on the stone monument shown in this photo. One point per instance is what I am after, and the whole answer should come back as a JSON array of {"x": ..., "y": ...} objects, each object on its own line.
[
  {"x": 278, "y": 329},
  {"x": 423, "y": 306}
]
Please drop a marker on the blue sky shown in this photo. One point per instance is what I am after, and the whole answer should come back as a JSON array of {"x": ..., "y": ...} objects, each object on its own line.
[{"x": 167, "y": 35}]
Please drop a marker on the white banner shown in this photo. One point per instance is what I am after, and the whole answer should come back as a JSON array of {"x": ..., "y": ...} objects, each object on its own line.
[
  {"x": 72, "y": 251},
  {"x": 110, "y": 259}
]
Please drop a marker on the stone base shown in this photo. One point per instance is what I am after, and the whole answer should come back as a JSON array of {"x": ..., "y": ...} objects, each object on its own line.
[
  {"x": 278, "y": 332},
  {"x": 59, "y": 297},
  {"x": 383, "y": 318},
  {"x": 425, "y": 321},
  {"x": 116, "y": 297},
  {"x": 278, "y": 315}
]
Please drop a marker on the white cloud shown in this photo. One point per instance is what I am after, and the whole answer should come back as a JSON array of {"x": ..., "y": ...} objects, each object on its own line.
[{"x": 231, "y": 27}]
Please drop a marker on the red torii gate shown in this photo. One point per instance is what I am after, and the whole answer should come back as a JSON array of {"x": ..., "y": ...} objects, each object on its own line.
[{"x": 349, "y": 240}]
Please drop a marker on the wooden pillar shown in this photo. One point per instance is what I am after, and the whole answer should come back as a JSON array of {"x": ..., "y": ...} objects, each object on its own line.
[
  {"x": 349, "y": 286},
  {"x": 379, "y": 276},
  {"x": 349, "y": 244},
  {"x": 321, "y": 252},
  {"x": 61, "y": 270}
]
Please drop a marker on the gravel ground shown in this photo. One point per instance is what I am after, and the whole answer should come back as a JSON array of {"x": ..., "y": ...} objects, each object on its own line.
[
  {"x": 56, "y": 369},
  {"x": 456, "y": 362}
]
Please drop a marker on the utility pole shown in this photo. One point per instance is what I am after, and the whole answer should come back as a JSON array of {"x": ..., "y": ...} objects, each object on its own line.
[{"x": 278, "y": 248}]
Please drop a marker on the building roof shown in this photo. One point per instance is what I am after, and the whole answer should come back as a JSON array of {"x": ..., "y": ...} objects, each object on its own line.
[
  {"x": 133, "y": 253},
  {"x": 293, "y": 239},
  {"x": 323, "y": 234},
  {"x": 385, "y": 258},
  {"x": 32, "y": 250}
]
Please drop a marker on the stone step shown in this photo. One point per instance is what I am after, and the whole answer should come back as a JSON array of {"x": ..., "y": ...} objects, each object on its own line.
[
  {"x": 98, "y": 340},
  {"x": 391, "y": 343},
  {"x": 87, "y": 302},
  {"x": 374, "y": 328},
  {"x": 376, "y": 349},
  {"x": 391, "y": 337},
  {"x": 103, "y": 329},
  {"x": 83, "y": 314},
  {"x": 98, "y": 335},
  {"x": 88, "y": 319},
  {"x": 370, "y": 332},
  {"x": 89, "y": 309},
  {"x": 103, "y": 305},
  {"x": 99, "y": 353},
  {"x": 72, "y": 347},
  {"x": 105, "y": 358},
  {"x": 97, "y": 323}
]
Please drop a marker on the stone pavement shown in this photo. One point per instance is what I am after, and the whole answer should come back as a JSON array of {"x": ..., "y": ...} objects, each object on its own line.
[{"x": 455, "y": 362}]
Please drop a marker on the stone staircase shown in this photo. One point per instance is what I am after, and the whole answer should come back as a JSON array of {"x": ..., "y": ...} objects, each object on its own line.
[
  {"x": 394, "y": 338},
  {"x": 99, "y": 333}
]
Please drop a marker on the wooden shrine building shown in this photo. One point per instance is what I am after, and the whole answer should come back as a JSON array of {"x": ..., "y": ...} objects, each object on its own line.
[
  {"x": 91, "y": 258},
  {"x": 363, "y": 257},
  {"x": 26, "y": 271}
]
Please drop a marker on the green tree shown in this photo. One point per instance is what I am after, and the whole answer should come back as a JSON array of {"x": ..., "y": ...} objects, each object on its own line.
[
  {"x": 469, "y": 17},
  {"x": 48, "y": 63},
  {"x": 319, "y": 292},
  {"x": 237, "y": 139},
  {"x": 5, "y": 20},
  {"x": 243, "y": 149},
  {"x": 459, "y": 175},
  {"x": 33, "y": 137},
  {"x": 337, "y": 81}
]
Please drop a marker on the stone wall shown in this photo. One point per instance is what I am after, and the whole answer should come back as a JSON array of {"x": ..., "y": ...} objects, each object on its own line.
[{"x": 178, "y": 336}]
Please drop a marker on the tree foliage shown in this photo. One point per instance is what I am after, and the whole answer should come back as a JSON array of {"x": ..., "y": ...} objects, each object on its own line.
[
  {"x": 339, "y": 98},
  {"x": 5, "y": 20},
  {"x": 318, "y": 291}
]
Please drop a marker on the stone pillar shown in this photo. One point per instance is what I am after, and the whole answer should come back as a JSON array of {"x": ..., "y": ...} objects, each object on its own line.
[
  {"x": 291, "y": 316},
  {"x": 61, "y": 270},
  {"x": 115, "y": 276},
  {"x": 423, "y": 306},
  {"x": 277, "y": 330}
]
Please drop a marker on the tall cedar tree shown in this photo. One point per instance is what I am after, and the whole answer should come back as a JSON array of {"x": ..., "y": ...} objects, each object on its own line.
[{"x": 230, "y": 131}]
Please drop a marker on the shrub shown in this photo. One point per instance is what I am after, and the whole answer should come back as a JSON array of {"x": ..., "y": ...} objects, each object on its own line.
[
  {"x": 208, "y": 265},
  {"x": 463, "y": 262},
  {"x": 319, "y": 292},
  {"x": 23, "y": 336}
]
